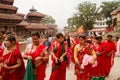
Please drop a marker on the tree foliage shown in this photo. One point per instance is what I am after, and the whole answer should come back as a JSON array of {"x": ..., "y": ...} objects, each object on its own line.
[
  {"x": 74, "y": 21},
  {"x": 107, "y": 7},
  {"x": 48, "y": 20},
  {"x": 86, "y": 14}
]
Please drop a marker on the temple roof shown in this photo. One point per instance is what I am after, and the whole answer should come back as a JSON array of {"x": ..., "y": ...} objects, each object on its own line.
[
  {"x": 36, "y": 14},
  {"x": 10, "y": 17},
  {"x": 7, "y": 0},
  {"x": 114, "y": 12},
  {"x": 23, "y": 23},
  {"x": 51, "y": 26},
  {"x": 36, "y": 26},
  {"x": 33, "y": 9},
  {"x": 20, "y": 14},
  {"x": 10, "y": 7},
  {"x": 10, "y": 2}
]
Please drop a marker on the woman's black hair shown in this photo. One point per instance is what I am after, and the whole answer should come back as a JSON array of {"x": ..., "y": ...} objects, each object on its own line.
[
  {"x": 117, "y": 38},
  {"x": 36, "y": 34},
  {"x": 1, "y": 39},
  {"x": 11, "y": 38},
  {"x": 58, "y": 35},
  {"x": 98, "y": 37},
  {"x": 109, "y": 35},
  {"x": 68, "y": 40},
  {"x": 82, "y": 36}
]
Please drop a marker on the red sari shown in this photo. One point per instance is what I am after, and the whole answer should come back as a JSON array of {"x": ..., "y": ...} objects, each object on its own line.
[
  {"x": 17, "y": 45},
  {"x": 58, "y": 73},
  {"x": 109, "y": 60},
  {"x": 83, "y": 74},
  {"x": 74, "y": 43},
  {"x": 40, "y": 69},
  {"x": 11, "y": 59},
  {"x": 98, "y": 71},
  {"x": 68, "y": 54}
]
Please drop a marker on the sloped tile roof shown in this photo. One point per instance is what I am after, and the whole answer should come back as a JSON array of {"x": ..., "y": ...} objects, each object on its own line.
[
  {"x": 8, "y": 0},
  {"x": 114, "y": 12},
  {"x": 51, "y": 26},
  {"x": 37, "y": 26},
  {"x": 10, "y": 16},
  {"x": 3, "y": 6},
  {"x": 23, "y": 23},
  {"x": 20, "y": 14},
  {"x": 37, "y": 14}
]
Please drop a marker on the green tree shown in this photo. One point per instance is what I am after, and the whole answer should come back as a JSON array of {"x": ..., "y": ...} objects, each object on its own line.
[
  {"x": 48, "y": 20},
  {"x": 86, "y": 14},
  {"x": 107, "y": 7},
  {"x": 74, "y": 21}
]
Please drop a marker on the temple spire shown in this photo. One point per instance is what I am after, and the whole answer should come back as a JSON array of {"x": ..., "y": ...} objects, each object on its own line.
[{"x": 32, "y": 9}]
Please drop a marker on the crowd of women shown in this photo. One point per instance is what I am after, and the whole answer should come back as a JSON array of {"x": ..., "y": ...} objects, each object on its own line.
[{"x": 93, "y": 57}]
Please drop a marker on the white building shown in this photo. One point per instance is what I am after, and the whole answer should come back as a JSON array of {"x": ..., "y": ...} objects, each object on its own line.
[
  {"x": 100, "y": 27},
  {"x": 100, "y": 23}
]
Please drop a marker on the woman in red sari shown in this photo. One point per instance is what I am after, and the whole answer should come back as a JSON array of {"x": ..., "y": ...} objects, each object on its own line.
[
  {"x": 74, "y": 42},
  {"x": 38, "y": 52},
  {"x": 110, "y": 50},
  {"x": 12, "y": 65},
  {"x": 59, "y": 54},
  {"x": 80, "y": 50},
  {"x": 68, "y": 43},
  {"x": 99, "y": 49}
]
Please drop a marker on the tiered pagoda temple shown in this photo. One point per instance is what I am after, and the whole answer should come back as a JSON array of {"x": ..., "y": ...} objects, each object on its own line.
[
  {"x": 32, "y": 23},
  {"x": 21, "y": 24},
  {"x": 8, "y": 16},
  {"x": 34, "y": 18}
]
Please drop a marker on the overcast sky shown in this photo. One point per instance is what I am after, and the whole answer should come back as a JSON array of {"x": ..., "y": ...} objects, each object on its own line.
[{"x": 60, "y": 10}]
